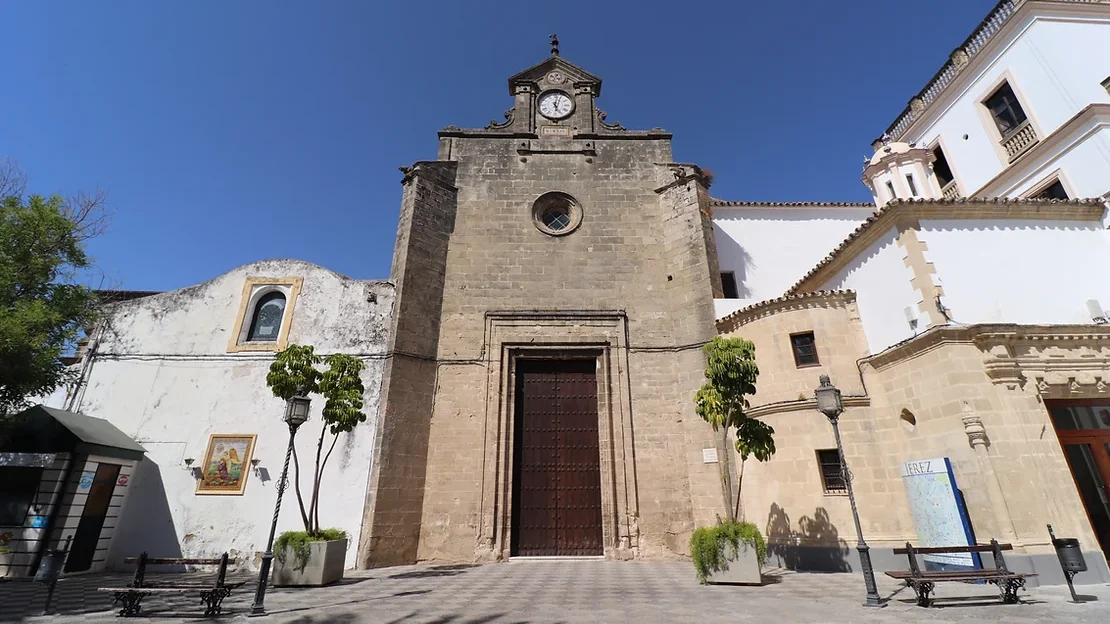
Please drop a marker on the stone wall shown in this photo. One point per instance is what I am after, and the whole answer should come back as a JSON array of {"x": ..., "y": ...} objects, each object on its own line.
[{"x": 634, "y": 282}]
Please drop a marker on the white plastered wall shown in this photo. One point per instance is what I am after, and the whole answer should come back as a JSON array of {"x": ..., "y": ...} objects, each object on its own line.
[
  {"x": 881, "y": 280},
  {"x": 769, "y": 249},
  {"x": 1018, "y": 271},
  {"x": 164, "y": 377},
  {"x": 1051, "y": 84}
]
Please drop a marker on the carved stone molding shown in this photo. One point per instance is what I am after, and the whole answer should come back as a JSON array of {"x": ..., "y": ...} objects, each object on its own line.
[
  {"x": 1054, "y": 361},
  {"x": 494, "y": 125},
  {"x": 974, "y": 428},
  {"x": 608, "y": 126},
  {"x": 960, "y": 58}
]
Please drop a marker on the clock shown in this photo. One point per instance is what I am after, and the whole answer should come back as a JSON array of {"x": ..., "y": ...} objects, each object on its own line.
[{"x": 556, "y": 105}]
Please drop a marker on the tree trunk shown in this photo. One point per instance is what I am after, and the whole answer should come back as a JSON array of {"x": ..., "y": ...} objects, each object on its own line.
[
  {"x": 319, "y": 479},
  {"x": 316, "y": 481},
  {"x": 297, "y": 489}
]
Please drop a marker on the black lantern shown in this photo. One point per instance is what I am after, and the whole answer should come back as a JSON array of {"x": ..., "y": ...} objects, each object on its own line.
[
  {"x": 296, "y": 410},
  {"x": 828, "y": 397}
]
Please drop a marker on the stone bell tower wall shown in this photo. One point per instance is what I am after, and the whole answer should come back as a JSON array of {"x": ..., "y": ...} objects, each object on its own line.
[
  {"x": 391, "y": 529},
  {"x": 639, "y": 265}
]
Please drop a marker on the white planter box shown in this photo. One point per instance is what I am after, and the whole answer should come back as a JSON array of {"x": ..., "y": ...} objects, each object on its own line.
[
  {"x": 324, "y": 566},
  {"x": 743, "y": 568}
]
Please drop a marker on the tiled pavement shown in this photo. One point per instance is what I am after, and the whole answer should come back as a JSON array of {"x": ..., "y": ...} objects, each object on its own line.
[{"x": 568, "y": 591}]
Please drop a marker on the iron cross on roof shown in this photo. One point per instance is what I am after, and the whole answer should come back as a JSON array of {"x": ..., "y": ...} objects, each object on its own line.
[{"x": 554, "y": 44}]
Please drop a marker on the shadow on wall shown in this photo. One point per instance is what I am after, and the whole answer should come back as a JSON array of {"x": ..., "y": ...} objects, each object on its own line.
[
  {"x": 146, "y": 523},
  {"x": 727, "y": 248},
  {"x": 815, "y": 545}
]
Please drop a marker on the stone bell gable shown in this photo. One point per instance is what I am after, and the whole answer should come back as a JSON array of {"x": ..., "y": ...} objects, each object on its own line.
[{"x": 554, "y": 236}]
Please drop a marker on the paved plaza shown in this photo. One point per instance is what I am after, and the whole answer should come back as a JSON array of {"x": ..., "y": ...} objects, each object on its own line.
[{"x": 567, "y": 591}]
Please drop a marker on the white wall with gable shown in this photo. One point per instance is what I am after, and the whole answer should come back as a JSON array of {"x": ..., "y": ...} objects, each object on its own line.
[
  {"x": 163, "y": 375},
  {"x": 770, "y": 249}
]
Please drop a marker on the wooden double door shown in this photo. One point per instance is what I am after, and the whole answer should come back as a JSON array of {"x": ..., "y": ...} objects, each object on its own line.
[
  {"x": 1083, "y": 428},
  {"x": 556, "y": 460}
]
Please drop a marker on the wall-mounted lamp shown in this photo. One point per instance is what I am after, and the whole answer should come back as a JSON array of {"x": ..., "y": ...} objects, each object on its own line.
[
  {"x": 189, "y": 463},
  {"x": 1098, "y": 315},
  {"x": 254, "y": 465}
]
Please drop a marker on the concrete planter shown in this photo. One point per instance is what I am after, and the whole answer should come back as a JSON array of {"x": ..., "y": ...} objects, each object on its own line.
[
  {"x": 325, "y": 565},
  {"x": 743, "y": 568}
]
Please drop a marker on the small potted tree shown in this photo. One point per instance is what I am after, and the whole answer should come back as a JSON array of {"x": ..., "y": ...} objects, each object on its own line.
[
  {"x": 732, "y": 551},
  {"x": 316, "y": 556}
]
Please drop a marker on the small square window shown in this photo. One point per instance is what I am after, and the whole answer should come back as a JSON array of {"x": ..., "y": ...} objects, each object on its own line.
[
  {"x": 832, "y": 477},
  {"x": 728, "y": 285},
  {"x": 805, "y": 349}
]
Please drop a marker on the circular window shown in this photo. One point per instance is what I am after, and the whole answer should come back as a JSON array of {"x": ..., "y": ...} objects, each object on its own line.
[{"x": 556, "y": 214}]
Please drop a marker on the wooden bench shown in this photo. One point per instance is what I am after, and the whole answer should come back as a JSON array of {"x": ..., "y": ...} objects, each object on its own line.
[
  {"x": 923, "y": 581},
  {"x": 212, "y": 593}
]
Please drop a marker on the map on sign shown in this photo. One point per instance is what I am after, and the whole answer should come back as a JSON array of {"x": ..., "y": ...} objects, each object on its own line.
[{"x": 938, "y": 512}]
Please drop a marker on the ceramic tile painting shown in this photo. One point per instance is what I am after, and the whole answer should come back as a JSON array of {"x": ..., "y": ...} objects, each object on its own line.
[{"x": 224, "y": 468}]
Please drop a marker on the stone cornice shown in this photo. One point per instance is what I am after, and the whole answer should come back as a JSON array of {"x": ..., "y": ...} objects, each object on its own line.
[
  {"x": 802, "y": 405},
  {"x": 904, "y": 211},
  {"x": 1096, "y": 115},
  {"x": 998, "y": 340},
  {"x": 763, "y": 309}
]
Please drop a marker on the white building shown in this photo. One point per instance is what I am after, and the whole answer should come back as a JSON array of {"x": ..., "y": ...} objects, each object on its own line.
[
  {"x": 172, "y": 369},
  {"x": 963, "y": 311}
]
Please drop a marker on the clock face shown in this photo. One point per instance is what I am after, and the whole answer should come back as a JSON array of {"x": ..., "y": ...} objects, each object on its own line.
[{"x": 556, "y": 105}]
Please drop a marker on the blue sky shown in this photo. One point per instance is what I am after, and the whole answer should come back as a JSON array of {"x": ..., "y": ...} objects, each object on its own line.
[{"x": 229, "y": 132}]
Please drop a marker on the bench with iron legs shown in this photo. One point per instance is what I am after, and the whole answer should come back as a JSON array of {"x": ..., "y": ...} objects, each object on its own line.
[
  {"x": 212, "y": 593},
  {"x": 924, "y": 581}
]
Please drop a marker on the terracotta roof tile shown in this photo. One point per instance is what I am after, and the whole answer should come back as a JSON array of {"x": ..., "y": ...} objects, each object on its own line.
[
  {"x": 757, "y": 204},
  {"x": 733, "y": 318}
]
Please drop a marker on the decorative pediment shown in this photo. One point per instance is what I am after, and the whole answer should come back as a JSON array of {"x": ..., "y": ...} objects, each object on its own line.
[{"x": 567, "y": 74}]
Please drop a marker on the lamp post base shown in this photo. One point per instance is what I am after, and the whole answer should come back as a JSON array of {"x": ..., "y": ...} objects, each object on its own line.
[
  {"x": 873, "y": 599},
  {"x": 259, "y": 608}
]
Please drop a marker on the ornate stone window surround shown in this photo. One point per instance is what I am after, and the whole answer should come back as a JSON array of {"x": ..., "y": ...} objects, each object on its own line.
[
  {"x": 957, "y": 181},
  {"x": 998, "y": 142},
  {"x": 254, "y": 288},
  {"x": 511, "y": 336}
]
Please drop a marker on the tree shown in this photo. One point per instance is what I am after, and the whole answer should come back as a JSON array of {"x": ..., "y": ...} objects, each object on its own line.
[
  {"x": 294, "y": 372},
  {"x": 43, "y": 308},
  {"x": 731, "y": 373}
]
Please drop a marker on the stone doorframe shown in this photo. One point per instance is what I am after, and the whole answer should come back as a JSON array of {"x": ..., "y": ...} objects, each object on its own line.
[{"x": 510, "y": 336}]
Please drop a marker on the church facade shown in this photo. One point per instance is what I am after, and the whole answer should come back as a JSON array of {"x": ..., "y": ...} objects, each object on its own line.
[{"x": 536, "y": 349}]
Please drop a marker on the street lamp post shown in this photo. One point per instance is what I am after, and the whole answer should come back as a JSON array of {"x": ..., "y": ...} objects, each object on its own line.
[
  {"x": 830, "y": 403},
  {"x": 296, "y": 413}
]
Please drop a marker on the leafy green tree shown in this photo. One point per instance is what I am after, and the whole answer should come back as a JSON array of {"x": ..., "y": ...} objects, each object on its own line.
[
  {"x": 43, "y": 308},
  {"x": 731, "y": 373},
  {"x": 294, "y": 371}
]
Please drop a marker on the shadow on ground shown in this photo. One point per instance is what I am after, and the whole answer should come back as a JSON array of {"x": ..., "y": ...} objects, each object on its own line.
[{"x": 434, "y": 571}]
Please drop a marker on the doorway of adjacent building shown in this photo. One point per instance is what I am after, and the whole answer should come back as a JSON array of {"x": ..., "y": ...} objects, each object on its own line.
[
  {"x": 556, "y": 459},
  {"x": 1083, "y": 428},
  {"x": 87, "y": 537}
]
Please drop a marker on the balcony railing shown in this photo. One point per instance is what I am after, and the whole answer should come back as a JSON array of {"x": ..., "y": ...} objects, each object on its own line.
[
  {"x": 1020, "y": 140},
  {"x": 950, "y": 190}
]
